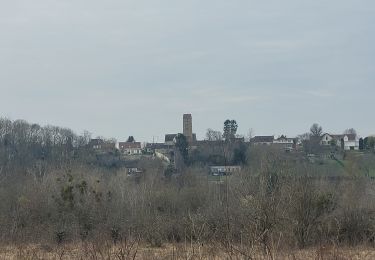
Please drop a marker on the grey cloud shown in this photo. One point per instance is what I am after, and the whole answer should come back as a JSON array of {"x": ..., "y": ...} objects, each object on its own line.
[{"x": 102, "y": 64}]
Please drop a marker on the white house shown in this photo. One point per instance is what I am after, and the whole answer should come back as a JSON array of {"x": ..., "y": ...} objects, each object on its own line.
[
  {"x": 224, "y": 170},
  {"x": 284, "y": 142},
  {"x": 327, "y": 139},
  {"x": 130, "y": 148},
  {"x": 350, "y": 142},
  {"x": 281, "y": 142},
  {"x": 346, "y": 141}
]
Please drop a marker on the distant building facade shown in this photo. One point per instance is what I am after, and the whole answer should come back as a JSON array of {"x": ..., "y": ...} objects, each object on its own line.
[
  {"x": 347, "y": 142},
  {"x": 151, "y": 148},
  {"x": 262, "y": 140},
  {"x": 350, "y": 142},
  {"x": 282, "y": 142},
  {"x": 101, "y": 145},
  {"x": 134, "y": 170},
  {"x": 187, "y": 131},
  {"x": 224, "y": 170},
  {"x": 285, "y": 143},
  {"x": 96, "y": 144},
  {"x": 170, "y": 139},
  {"x": 130, "y": 148},
  {"x": 328, "y": 139}
]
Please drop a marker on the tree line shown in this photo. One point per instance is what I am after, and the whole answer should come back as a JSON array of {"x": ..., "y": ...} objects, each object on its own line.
[{"x": 276, "y": 203}]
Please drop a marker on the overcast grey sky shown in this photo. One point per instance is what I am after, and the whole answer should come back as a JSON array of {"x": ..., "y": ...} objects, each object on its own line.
[{"x": 133, "y": 67}]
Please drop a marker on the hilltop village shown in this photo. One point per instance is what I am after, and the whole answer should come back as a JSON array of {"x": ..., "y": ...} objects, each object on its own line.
[{"x": 226, "y": 152}]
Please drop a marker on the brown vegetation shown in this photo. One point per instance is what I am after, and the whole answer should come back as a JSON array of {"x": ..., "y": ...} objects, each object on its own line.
[{"x": 70, "y": 206}]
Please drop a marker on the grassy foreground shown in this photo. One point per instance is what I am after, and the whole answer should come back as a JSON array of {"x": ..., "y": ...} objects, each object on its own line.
[{"x": 174, "y": 251}]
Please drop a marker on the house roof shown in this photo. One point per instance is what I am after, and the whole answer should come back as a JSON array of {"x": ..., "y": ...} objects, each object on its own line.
[
  {"x": 228, "y": 166},
  {"x": 96, "y": 141},
  {"x": 262, "y": 139},
  {"x": 283, "y": 137},
  {"x": 351, "y": 137},
  {"x": 130, "y": 145},
  {"x": 169, "y": 137},
  {"x": 156, "y": 145},
  {"x": 239, "y": 139}
]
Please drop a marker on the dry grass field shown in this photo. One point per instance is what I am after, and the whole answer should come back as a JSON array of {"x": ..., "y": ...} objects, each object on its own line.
[{"x": 180, "y": 251}]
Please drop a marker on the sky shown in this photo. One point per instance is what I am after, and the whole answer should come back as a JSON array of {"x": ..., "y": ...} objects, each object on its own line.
[{"x": 133, "y": 67}]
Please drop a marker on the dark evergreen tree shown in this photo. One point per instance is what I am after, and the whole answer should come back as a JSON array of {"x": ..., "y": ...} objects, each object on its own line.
[
  {"x": 130, "y": 139},
  {"x": 182, "y": 146},
  {"x": 230, "y": 129}
]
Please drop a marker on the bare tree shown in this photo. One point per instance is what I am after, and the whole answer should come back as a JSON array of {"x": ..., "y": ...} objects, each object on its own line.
[
  {"x": 250, "y": 134},
  {"x": 316, "y": 130},
  {"x": 212, "y": 135},
  {"x": 304, "y": 137},
  {"x": 350, "y": 131}
]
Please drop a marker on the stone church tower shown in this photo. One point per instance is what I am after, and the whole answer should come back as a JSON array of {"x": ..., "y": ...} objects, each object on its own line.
[{"x": 188, "y": 127}]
